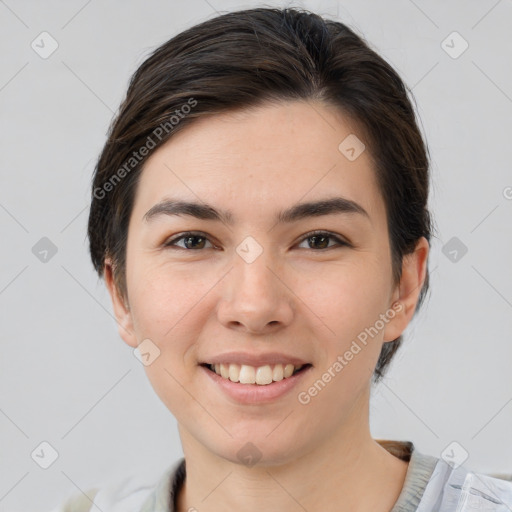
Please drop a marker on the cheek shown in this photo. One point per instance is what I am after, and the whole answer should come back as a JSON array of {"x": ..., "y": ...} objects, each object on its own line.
[
  {"x": 347, "y": 298},
  {"x": 349, "y": 302},
  {"x": 166, "y": 308},
  {"x": 164, "y": 300}
]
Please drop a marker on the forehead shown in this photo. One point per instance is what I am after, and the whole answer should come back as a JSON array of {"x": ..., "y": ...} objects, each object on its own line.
[{"x": 265, "y": 158}]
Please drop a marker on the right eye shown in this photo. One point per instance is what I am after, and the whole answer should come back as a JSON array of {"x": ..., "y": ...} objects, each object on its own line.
[{"x": 191, "y": 241}]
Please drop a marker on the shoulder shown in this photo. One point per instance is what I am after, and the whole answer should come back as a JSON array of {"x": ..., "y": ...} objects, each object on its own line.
[
  {"x": 78, "y": 502},
  {"x": 435, "y": 485},
  {"x": 457, "y": 488},
  {"x": 128, "y": 493}
]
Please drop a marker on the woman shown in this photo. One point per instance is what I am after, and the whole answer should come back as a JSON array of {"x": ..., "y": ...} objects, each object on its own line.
[{"x": 259, "y": 214}]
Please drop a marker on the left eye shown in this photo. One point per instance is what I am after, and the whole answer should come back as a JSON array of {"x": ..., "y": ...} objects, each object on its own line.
[{"x": 322, "y": 239}]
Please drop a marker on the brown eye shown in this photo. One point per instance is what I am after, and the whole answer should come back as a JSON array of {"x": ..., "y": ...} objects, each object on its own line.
[
  {"x": 320, "y": 240},
  {"x": 191, "y": 241}
]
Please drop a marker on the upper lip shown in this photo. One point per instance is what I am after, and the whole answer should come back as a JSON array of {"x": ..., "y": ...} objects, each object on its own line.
[{"x": 254, "y": 359}]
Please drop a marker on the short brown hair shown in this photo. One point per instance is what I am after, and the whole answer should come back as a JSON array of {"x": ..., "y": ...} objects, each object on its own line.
[{"x": 240, "y": 60}]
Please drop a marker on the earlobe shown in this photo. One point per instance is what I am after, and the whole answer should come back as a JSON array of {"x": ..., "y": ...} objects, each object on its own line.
[
  {"x": 414, "y": 271},
  {"x": 121, "y": 311}
]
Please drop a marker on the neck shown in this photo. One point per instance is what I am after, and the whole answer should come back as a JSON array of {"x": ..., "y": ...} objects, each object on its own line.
[{"x": 349, "y": 471}]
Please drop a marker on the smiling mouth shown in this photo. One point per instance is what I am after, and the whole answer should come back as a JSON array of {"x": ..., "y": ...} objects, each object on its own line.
[{"x": 261, "y": 375}]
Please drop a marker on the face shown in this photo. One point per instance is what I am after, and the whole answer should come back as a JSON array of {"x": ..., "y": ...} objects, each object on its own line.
[{"x": 253, "y": 283}]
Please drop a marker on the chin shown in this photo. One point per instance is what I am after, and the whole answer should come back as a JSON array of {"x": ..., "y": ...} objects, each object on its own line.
[{"x": 259, "y": 451}]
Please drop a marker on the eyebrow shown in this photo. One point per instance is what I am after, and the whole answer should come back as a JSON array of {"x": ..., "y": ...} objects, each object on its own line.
[{"x": 334, "y": 205}]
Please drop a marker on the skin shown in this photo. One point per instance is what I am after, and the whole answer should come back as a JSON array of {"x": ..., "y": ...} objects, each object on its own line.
[{"x": 295, "y": 298}]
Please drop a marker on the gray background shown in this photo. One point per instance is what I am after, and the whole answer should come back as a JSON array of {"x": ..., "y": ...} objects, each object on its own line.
[{"x": 68, "y": 379}]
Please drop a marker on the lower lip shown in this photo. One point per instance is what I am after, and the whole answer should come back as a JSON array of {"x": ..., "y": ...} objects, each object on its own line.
[{"x": 256, "y": 393}]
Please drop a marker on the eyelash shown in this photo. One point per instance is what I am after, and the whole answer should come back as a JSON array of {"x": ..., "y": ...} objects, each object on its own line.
[{"x": 172, "y": 242}]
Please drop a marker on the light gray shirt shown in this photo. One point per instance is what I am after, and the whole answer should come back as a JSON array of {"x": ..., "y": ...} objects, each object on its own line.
[{"x": 431, "y": 485}]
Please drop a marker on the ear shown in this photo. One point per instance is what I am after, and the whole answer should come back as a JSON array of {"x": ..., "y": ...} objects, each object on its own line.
[
  {"x": 406, "y": 295},
  {"x": 121, "y": 310}
]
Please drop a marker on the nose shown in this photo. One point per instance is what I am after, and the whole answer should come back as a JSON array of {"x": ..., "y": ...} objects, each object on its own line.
[{"x": 255, "y": 298}]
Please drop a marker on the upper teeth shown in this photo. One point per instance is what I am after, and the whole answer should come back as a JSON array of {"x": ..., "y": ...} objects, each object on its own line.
[{"x": 246, "y": 374}]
